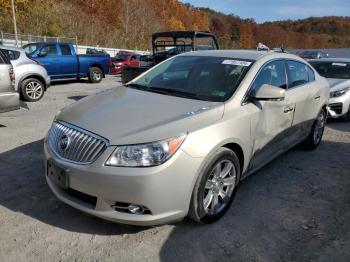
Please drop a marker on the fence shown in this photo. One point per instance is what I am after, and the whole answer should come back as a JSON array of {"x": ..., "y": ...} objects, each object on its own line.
[{"x": 10, "y": 39}]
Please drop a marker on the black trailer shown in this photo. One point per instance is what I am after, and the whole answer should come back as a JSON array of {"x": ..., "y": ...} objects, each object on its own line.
[{"x": 168, "y": 44}]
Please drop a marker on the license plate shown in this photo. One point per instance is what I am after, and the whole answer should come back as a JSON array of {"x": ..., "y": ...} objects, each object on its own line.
[{"x": 57, "y": 174}]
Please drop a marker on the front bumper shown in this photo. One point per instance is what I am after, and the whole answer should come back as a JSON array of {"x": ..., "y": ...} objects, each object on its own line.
[
  {"x": 165, "y": 190},
  {"x": 339, "y": 106}
]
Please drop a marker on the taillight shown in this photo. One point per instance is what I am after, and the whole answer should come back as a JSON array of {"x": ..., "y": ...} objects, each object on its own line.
[
  {"x": 36, "y": 61},
  {"x": 12, "y": 76}
]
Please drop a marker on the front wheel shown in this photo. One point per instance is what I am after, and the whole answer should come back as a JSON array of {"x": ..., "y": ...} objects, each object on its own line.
[
  {"x": 215, "y": 187},
  {"x": 95, "y": 75},
  {"x": 32, "y": 90},
  {"x": 346, "y": 117},
  {"x": 315, "y": 136}
]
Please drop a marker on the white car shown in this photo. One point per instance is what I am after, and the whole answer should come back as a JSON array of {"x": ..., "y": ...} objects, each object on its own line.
[
  {"x": 337, "y": 72},
  {"x": 32, "y": 79}
]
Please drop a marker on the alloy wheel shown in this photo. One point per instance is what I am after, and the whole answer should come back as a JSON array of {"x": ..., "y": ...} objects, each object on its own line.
[
  {"x": 219, "y": 187},
  {"x": 34, "y": 90}
]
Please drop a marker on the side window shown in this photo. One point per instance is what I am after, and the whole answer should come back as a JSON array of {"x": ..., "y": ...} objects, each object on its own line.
[
  {"x": 298, "y": 73},
  {"x": 12, "y": 55},
  {"x": 65, "y": 50},
  {"x": 311, "y": 74},
  {"x": 274, "y": 73},
  {"x": 49, "y": 50}
]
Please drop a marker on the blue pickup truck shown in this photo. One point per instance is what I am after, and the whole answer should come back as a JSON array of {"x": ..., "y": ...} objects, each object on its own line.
[{"x": 62, "y": 62}]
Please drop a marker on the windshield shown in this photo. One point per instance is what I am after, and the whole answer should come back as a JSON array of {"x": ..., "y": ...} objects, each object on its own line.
[
  {"x": 31, "y": 48},
  {"x": 340, "y": 70},
  {"x": 196, "y": 77},
  {"x": 122, "y": 56}
]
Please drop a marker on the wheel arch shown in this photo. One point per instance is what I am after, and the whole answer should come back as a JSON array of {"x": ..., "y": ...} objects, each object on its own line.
[{"x": 35, "y": 76}]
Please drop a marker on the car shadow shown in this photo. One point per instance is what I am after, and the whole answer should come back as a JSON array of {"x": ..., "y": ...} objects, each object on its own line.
[
  {"x": 24, "y": 189},
  {"x": 297, "y": 208}
]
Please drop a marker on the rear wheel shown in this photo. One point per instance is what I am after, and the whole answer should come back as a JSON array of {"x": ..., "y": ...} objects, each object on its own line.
[
  {"x": 95, "y": 75},
  {"x": 215, "y": 187},
  {"x": 32, "y": 90},
  {"x": 315, "y": 136}
]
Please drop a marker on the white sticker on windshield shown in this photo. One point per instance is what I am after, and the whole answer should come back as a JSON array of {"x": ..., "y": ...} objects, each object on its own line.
[
  {"x": 338, "y": 64},
  {"x": 236, "y": 62}
]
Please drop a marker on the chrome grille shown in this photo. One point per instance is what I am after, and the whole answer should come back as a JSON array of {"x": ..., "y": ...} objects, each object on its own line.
[{"x": 74, "y": 144}]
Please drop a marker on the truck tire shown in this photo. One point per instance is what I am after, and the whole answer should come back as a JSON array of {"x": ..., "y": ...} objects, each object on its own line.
[
  {"x": 95, "y": 75},
  {"x": 32, "y": 90}
]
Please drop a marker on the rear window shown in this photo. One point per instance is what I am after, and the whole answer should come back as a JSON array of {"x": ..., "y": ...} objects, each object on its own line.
[
  {"x": 65, "y": 50},
  {"x": 3, "y": 58},
  {"x": 12, "y": 55}
]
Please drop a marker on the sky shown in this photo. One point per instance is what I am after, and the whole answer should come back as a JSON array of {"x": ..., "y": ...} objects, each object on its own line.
[{"x": 272, "y": 10}]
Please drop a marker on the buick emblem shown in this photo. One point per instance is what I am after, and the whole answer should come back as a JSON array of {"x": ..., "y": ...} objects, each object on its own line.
[{"x": 63, "y": 143}]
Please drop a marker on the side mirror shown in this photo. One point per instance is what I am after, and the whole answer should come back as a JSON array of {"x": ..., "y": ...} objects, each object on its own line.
[{"x": 270, "y": 93}]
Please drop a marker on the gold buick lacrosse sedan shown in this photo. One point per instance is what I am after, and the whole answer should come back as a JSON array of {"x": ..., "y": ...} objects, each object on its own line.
[{"x": 178, "y": 139}]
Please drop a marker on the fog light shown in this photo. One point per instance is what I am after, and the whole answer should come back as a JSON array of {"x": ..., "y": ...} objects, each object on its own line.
[{"x": 135, "y": 209}]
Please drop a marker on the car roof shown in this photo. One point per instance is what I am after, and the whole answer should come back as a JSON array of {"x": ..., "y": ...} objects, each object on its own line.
[
  {"x": 345, "y": 60},
  {"x": 13, "y": 48},
  {"x": 241, "y": 54}
]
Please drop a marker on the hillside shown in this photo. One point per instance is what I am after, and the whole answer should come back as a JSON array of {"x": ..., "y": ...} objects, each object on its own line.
[{"x": 129, "y": 24}]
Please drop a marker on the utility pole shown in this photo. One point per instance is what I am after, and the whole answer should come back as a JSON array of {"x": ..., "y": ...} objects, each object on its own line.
[{"x": 14, "y": 20}]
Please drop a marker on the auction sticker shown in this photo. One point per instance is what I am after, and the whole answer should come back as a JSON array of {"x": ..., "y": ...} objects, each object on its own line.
[{"x": 236, "y": 62}]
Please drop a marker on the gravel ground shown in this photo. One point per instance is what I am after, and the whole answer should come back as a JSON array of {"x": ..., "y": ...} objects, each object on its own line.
[{"x": 295, "y": 209}]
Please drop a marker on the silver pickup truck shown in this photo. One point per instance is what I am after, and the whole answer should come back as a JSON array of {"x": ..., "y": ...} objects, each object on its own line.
[{"x": 9, "y": 98}]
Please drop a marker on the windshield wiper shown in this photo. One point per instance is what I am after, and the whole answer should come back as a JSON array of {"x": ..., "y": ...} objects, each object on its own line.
[
  {"x": 137, "y": 86},
  {"x": 176, "y": 92}
]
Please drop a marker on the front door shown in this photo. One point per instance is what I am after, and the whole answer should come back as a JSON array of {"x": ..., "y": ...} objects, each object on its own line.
[
  {"x": 49, "y": 57},
  {"x": 273, "y": 119}
]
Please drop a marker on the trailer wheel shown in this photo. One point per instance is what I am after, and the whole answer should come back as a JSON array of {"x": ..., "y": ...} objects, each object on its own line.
[{"x": 95, "y": 75}]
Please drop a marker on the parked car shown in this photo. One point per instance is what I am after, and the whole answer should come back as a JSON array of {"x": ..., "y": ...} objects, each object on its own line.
[
  {"x": 337, "y": 72},
  {"x": 313, "y": 54},
  {"x": 178, "y": 139},
  {"x": 32, "y": 79},
  {"x": 168, "y": 44},
  {"x": 9, "y": 98},
  {"x": 124, "y": 59},
  {"x": 62, "y": 62}
]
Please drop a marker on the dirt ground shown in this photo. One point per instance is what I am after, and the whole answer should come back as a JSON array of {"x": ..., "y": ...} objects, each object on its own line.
[{"x": 295, "y": 209}]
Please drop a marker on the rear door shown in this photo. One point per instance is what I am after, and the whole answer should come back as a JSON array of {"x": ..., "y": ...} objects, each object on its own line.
[
  {"x": 69, "y": 61},
  {"x": 303, "y": 92},
  {"x": 9, "y": 99},
  {"x": 48, "y": 56},
  {"x": 272, "y": 123}
]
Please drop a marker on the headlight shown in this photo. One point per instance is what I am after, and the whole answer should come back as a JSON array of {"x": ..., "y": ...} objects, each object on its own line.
[
  {"x": 144, "y": 155},
  {"x": 339, "y": 92}
]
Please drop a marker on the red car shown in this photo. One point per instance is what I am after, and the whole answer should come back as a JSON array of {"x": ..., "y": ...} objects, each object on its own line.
[{"x": 123, "y": 59}]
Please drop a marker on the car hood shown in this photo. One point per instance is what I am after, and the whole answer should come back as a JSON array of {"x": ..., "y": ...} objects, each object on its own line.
[
  {"x": 128, "y": 116},
  {"x": 338, "y": 84}
]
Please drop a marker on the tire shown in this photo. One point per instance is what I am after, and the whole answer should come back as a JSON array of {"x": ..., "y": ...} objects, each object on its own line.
[
  {"x": 207, "y": 188},
  {"x": 95, "y": 75},
  {"x": 32, "y": 90},
  {"x": 315, "y": 137}
]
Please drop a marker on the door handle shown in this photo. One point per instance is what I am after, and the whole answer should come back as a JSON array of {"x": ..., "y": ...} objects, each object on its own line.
[
  {"x": 288, "y": 109},
  {"x": 317, "y": 97}
]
